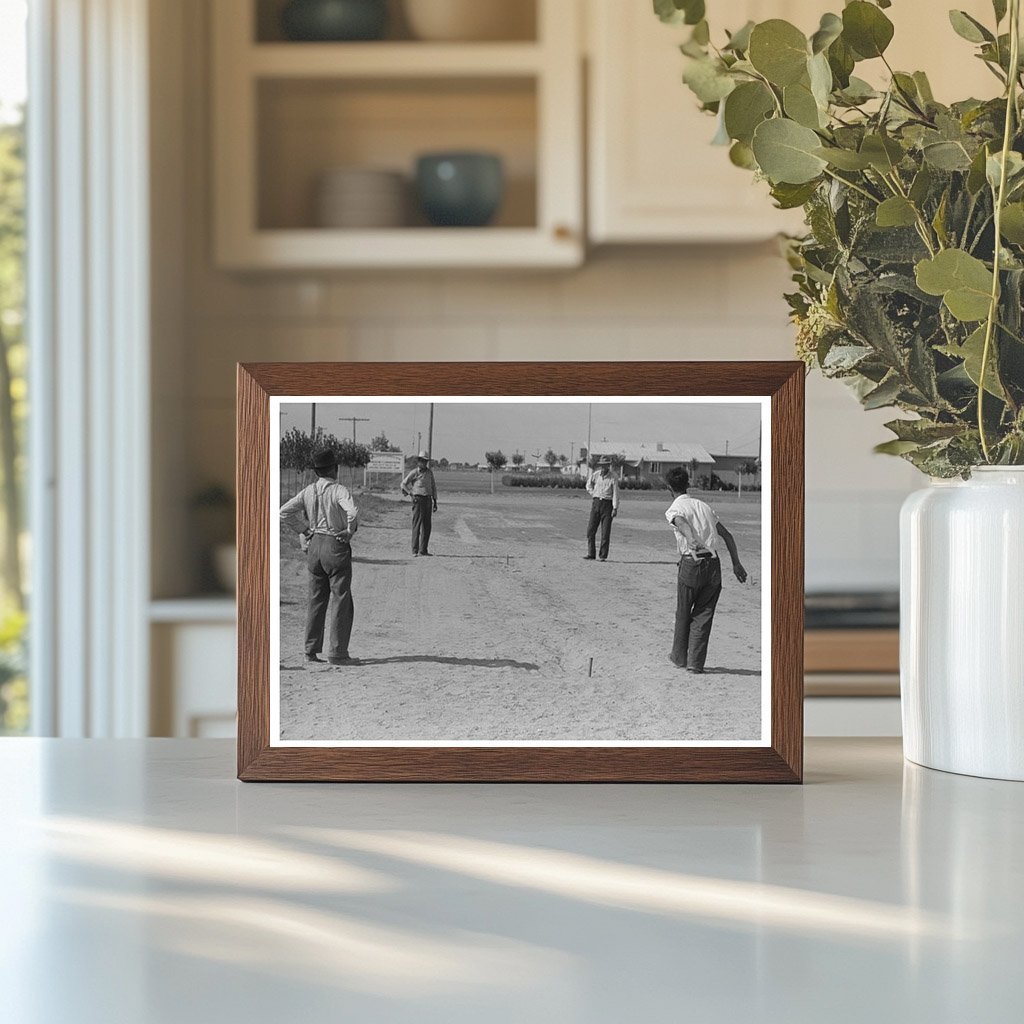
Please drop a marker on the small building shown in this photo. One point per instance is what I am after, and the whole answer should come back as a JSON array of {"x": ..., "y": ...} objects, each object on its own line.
[{"x": 655, "y": 458}]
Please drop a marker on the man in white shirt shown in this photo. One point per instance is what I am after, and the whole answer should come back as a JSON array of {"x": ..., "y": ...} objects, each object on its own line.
[
  {"x": 326, "y": 515},
  {"x": 697, "y": 530},
  {"x": 419, "y": 484},
  {"x": 603, "y": 488}
]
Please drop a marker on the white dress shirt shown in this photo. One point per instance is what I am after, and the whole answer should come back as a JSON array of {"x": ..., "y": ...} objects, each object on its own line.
[
  {"x": 604, "y": 487},
  {"x": 699, "y": 522},
  {"x": 327, "y": 505}
]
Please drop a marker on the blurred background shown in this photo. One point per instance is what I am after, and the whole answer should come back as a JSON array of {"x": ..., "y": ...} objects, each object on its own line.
[{"x": 250, "y": 180}]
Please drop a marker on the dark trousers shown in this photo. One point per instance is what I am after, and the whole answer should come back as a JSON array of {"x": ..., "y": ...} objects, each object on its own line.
[
  {"x": 422, "y": 510},
  {"x": 600, "y": 516},
  {"x": 329, "y": 561},
  {"x": 699, "y": 587}
]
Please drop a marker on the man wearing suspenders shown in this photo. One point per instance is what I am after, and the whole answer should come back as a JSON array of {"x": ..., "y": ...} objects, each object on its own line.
[{"x": 326, "y": 515}]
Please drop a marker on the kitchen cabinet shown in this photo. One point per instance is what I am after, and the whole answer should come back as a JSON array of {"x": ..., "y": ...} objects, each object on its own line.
[
  {"x": 653, "y": 175},
  {"x": 287, "y": 113}
]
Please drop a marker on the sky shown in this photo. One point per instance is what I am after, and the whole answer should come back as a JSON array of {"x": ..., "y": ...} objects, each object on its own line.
[
  {"x": 12, "y": 56},
  {"x": 463, "y": 432}
]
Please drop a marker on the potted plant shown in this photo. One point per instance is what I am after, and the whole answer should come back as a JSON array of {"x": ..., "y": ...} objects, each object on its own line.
[{"x": 908, "y": 289}]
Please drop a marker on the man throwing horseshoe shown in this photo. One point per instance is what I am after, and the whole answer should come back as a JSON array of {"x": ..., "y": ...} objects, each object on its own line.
[{"x": 699, "y": 586}]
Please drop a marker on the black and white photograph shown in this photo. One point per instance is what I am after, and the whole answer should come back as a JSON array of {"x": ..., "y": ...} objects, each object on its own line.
[{"x": 520, "y": 571}]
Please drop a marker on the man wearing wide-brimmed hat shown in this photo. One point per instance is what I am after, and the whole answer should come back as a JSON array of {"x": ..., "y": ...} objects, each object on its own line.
[
  {"x": 327, "y": 517},
  {"x": 603, "y": 488},
  {"x": 420, "y": 485}
]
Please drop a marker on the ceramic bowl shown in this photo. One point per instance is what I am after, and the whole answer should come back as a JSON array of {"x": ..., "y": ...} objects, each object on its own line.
[
  {"x": 334, "y": 20},
  {"x": 460, "y": 189},
  {"x": 470, "y": 20}
]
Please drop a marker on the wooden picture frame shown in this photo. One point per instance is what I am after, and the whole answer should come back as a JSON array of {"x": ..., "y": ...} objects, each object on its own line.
[{"x": 780, "y": 759}]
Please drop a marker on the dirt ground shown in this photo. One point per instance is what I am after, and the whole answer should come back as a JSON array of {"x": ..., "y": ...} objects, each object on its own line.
[{"x": 491, "y": 639}]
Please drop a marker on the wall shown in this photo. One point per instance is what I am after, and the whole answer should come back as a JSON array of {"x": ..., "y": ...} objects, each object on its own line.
[{"x": 652, "y": 303}]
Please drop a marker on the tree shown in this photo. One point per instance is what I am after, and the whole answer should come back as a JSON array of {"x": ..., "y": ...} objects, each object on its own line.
[
  {"x": 518, "y": 459},
  {"x": 443, "y": 463},
  {"x": 563, "y": 460},
  {"x": 550, "y": 458},
  {"x": 495, "y": 460},
  {"x": 13, "y": 402},
  {"x": 381, "y": 444},
  {"x": 749, "y": 468}
]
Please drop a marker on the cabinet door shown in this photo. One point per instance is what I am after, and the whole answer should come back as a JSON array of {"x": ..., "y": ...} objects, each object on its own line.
[{"x": 654, "y": 175}]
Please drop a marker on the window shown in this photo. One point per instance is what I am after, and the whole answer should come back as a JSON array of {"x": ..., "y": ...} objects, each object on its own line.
[{"x": 14, "y": 703}]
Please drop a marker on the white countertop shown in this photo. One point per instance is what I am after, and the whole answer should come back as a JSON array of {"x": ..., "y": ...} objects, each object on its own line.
[{"x": 143, "y": 885}]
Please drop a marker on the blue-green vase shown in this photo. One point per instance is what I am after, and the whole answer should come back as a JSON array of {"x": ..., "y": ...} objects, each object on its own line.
[
  {"x": 461, "y": 190},
  {"x": 333, "y": 21}
]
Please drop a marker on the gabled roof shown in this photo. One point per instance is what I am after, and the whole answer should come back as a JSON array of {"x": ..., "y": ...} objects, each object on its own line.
[{"x": 649, "y": 451}]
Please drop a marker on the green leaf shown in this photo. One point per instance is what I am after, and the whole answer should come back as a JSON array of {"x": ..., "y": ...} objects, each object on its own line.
[
  {"x": 947, "y": 156},
  {"x": 883, "y": 153},
  {"x": 800, "y": 105},
  {"x": 866, "y": 29},
  {"x": 829, "y": 30},
  {"x": 739, "y": 41},
  {"x": 789, "y": 197},
  {"x": 923, "y": 431},
  {"x": 708, "y": 80},
  {"x": 884, "y": 395},
  {"x": 971, "y": 352},
  {"x": 844, "y": 159},
  {"x": 841, "y": 60},
  {"x": 676, "y": 12},
  {"x": 976, "y": 173},
  {"x": 778, "y": 50},
  {"x": 921, "y": 185},
  {"x": 701, "y": 33},
  {"x": 741, "y": 155},
  {"x": 1014, "y": 169},
  {"x": 895, "y": 447},
  {"x": 924, "y": 87},
  {"x": 746, "y": 107},
  {"x": 963, "y": 281},
  {"x": 1012, "y": 225},
  {"x": 896, "y": 212},
  {"x": 785, "y": 152},
  {"x": 968, "y": 28},
  {"x": 999, "y": 7},
  {"x": 820, "y": 77}
]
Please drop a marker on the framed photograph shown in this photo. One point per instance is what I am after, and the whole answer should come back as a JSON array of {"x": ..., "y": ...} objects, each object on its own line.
[{"x": 551, "y": 572}]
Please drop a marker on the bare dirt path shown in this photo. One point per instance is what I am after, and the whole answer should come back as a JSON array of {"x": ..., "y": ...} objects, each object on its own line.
[{"x": 491, "y": 639}]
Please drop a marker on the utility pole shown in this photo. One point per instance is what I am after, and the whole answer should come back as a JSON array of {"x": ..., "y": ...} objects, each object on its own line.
[
  {"x": 572, "y": 450},
  {"x": 430, "y": 433},
  {"x": 353, "y": 420},
  {"x": 419, "y": 441},
  {"x": 312, "y": 420},
  {"x": 590, "y": 425},
  {"x": 727, "y": 447}
]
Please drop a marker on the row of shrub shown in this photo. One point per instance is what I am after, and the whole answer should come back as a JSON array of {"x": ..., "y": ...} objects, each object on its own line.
[
  {"x": 558, "y": 481},
  {"x": 551, "y": 480}
]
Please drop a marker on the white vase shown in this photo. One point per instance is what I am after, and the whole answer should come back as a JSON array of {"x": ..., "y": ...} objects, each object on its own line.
[{"x": 962, "y": 624}]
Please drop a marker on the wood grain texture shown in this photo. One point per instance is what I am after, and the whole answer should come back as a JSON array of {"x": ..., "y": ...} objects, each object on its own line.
[
  {"x": 781, "y": 762},
  {"x": 852, "y": 650}
]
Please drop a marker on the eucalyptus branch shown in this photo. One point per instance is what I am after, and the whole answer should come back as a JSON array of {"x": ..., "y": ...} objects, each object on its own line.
[
  {"x": 853, "y": 185},
  {"x": 1000, "y": 199}
]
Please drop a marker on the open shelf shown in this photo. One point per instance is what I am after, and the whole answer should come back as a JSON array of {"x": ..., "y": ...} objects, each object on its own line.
[
  {"x": 393, "y": 60},
  {"x": 286, "y": 114},
  {"x": 306, "y": 128},
  {"x": 520, "y": 17}
]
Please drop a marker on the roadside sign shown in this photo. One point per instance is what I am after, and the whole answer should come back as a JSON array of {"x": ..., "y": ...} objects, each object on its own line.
[{"x": 386, "y": 462}]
